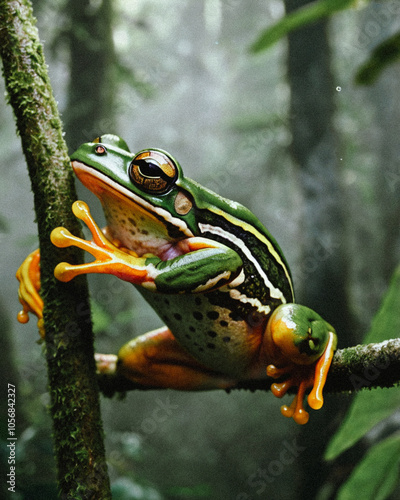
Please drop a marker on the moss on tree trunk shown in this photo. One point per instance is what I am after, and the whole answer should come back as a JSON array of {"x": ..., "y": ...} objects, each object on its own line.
[{"x": 78, "y": 439}]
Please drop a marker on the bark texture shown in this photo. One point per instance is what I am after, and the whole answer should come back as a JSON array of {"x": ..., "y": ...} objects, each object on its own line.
[{"x": 78, "y": 437}]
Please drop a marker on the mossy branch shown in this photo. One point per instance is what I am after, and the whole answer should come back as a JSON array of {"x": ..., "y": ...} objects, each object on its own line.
[
  {"x": 78, "y": 438},
  {"x": 353, "y": 368}
]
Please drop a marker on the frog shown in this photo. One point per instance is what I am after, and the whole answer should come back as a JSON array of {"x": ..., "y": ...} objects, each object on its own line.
[{"x": 208, "y": 267}]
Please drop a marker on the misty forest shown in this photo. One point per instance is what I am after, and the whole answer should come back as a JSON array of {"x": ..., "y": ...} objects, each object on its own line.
[{"x": 288, "y": 107}]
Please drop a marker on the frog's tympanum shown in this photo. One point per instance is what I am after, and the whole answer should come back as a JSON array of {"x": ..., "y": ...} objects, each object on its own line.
[{"x": 206, "y": 265}]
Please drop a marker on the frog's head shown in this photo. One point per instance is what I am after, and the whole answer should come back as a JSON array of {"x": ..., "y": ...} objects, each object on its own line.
[{"x": 144, "y": 205}]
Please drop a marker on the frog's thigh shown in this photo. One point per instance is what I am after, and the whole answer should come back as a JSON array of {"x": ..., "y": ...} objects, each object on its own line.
[{"x": 156, "y": 359}]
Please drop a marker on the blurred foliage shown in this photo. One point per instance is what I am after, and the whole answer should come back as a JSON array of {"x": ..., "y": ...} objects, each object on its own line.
[
  {"x": 297, "y": 19},
  {"x": 104, "y": 320},
  {"x": 376, "y": 476},
  {"x": 384, "y": 54}
]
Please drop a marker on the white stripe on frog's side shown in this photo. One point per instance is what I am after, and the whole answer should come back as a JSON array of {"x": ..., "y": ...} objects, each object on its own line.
[
  {"x": 261, "y": 308},
  {"x": 251, "y": 229},
  {"x": 212, "y": 282},
  {"x": 275, "y": 293}
]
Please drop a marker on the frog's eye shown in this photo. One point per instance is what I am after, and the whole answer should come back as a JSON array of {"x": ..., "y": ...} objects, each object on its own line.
[
  {"x": 153, "y": 171},
  {"x": 100, "y": 150}
]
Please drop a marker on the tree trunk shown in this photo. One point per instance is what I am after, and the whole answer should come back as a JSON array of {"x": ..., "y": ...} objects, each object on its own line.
[
  {"x": 90, "y": 109},
  {"x": 314, "y": 148},
  {"x": 320, "y": 281},
  {"x": 74, "y": 407}
]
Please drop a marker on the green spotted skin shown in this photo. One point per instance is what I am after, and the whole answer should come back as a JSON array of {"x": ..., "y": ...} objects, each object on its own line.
[{"x": 205, "y": 330}]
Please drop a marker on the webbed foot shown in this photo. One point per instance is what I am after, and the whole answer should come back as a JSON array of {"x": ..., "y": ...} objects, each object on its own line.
[
  {"x": 106, "y": 364},
  {"x": 109, "y": 258},
  {"x": 28, "y": 275},
  {"x": 304, "y": 346}
]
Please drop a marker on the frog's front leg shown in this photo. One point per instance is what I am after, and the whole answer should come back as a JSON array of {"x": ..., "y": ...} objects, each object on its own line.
[
  {"x": 205, "y": 264},
  {"x": 156, "y": 360},
  {"x": 301, "y": 346}
]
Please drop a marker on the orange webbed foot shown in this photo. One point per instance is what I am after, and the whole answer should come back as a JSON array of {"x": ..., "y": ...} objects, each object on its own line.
[
  {"x": 303, "y": 377},
  {"x": 303, "y": 344},
  {"x": 28, "y": 275},
  {"x": 110, "y": 258}
]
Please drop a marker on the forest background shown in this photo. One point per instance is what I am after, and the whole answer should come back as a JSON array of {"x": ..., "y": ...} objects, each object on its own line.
[{"x": 288, "y": 133}]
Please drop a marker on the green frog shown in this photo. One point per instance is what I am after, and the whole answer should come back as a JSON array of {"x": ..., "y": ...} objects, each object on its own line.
[{"x": 212, "y": 272}]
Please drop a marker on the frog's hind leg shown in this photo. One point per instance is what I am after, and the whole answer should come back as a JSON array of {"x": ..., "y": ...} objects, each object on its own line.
[
  {"x": 28, "y": 276},
  {"x": 156, "y": 360}
]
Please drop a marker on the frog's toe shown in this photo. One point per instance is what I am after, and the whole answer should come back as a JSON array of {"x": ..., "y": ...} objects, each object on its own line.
[
  {"x": 300, "y": 377},
  {"x": 106, "y": 364},
  {"x": 296, "y": 411}
]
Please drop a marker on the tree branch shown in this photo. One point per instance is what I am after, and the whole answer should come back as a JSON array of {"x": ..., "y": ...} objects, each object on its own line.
[
  {"x": 75, "y": 410},
  {"x": 370, "y": 365},
  {"x": 352, "y": 369}
]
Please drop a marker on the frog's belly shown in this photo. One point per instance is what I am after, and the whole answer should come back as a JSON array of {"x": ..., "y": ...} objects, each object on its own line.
[{"x": 208, "y": 332}]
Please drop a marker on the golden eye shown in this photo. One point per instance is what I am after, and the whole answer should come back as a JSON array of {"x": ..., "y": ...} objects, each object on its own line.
[
  {"x": 100, "y": 150},
  {"x": 153, "y": 171}
]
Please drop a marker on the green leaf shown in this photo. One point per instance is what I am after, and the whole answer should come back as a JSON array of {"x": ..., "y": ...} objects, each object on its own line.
[
  {"x": 386, "y": 322},
  {"x": 367, "y": 410},
  {"x": 300, "y": 17},
  {"x": 370, "y": 407},
  {"x": 384, "y": 54},
  {"x": 101, "y": 318},
  {"x": 376, "y": 476}
]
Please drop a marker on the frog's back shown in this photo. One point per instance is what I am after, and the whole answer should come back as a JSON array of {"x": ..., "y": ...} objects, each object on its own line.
[{"x": 267, "y": 274}]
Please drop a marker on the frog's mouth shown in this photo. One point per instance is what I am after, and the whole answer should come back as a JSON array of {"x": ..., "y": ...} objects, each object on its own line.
[{"x": 133, "y": 221}]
